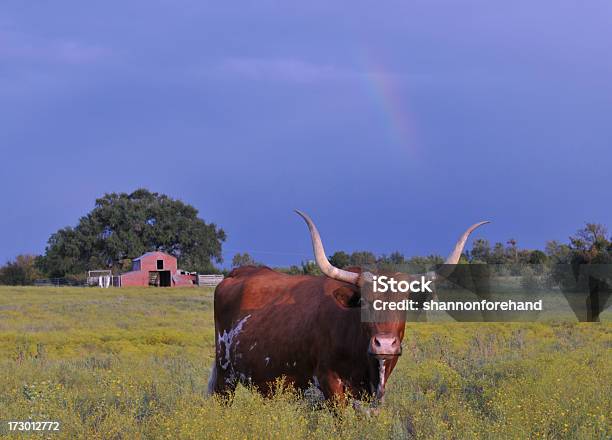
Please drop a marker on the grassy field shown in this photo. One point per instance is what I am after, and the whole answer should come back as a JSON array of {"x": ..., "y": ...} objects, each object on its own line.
[{"x": 134, "y": 363}]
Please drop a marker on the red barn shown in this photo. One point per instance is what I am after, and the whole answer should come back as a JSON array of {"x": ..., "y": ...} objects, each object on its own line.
[{"x": 156, "y": 269}]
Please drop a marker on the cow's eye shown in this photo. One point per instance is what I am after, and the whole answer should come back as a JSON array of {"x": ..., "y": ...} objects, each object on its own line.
[{"x": 357, "y": 301}]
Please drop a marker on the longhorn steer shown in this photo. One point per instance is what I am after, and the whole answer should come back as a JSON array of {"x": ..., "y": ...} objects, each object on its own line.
[{"x": 306, "y": 329}]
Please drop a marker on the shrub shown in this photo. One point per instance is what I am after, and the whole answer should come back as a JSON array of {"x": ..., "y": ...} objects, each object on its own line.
[{"x": 20, "y": 272}]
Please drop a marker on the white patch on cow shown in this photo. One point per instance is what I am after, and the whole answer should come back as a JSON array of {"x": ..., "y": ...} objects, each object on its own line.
[
  {"x": 380, "y": 391},
  {"x": 267, "y": 359},
  {"x": 252, "y": 346},
  {"x": 227, "y": 338}
]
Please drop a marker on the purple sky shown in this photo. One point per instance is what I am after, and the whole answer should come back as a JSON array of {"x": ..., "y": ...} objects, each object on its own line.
[{"x": 395, "y": 124}]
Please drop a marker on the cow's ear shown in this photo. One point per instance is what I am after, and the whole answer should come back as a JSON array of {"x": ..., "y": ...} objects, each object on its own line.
[{"x": 347, "y": 297}]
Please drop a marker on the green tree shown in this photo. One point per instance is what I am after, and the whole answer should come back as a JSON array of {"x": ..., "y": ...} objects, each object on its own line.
[
  {"x": 537, "y": 257},
  {"x": 22, "y": 271},
  {"x": 397, "y": 258},
  {"x": 310, "y": 268},
  {"x": 363, "y": 258},
  {"x": 291, "y": 270},
  {"x": 481, "y": 251},
  {"x": 124, "y": 226},
  {"x": 591, "y": 245},
  {"x": 245, "y": 259},
  {"x": 423, "y": 264},
  {"x": 394, "y": 261},
  {"x": 340, "y": 259},
  {"x": 556, "y": 252},
  {"x": 499, "y": 254},
  {"x": 513, "y": 250}
]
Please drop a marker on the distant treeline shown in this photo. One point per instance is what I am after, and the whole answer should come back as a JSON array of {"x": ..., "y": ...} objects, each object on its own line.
[{"x": 590, "y": 245}]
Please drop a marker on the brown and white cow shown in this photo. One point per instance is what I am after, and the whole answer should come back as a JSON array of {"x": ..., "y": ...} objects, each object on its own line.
[{"x": 305, "y": 329}]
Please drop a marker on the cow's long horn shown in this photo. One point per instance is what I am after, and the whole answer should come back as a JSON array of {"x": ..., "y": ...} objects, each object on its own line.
[
  {"x": 455, "y": 255},
  {"x": 321, "y": 258}
]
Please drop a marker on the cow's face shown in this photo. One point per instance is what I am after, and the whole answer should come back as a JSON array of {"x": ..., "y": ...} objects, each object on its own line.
[
  {"x": 384, "y": 329},
  {"x": 381, "y": 333}
]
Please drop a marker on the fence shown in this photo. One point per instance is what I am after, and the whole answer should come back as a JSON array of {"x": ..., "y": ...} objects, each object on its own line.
[
  {"x": 209, "y": 280},
  {"x": 115, "y": 281},
  {"x": 59, "y": 282}
]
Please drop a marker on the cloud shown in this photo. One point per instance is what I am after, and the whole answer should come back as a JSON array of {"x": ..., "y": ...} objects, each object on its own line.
[
  {"x": 300, "y": 71},
  {"x": 20, "y": 46},
  {"x": 283, "y": 69}
]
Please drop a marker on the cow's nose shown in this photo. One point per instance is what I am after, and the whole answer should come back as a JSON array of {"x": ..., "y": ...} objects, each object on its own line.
[{"x": 381, "y": 345}]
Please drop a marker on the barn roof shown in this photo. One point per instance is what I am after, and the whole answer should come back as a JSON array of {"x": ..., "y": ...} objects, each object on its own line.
[{"x": 153, "y": 254}]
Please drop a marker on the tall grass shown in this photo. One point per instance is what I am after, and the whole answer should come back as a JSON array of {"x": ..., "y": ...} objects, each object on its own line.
[{"x": 134, "y": 363}]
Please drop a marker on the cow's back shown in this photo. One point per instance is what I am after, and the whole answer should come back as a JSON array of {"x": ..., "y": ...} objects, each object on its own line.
[{"x": 267, "y": 321}]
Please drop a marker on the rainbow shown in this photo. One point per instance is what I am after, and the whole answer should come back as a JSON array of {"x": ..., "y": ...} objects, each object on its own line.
[{"x": 384, "y": 90}]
